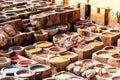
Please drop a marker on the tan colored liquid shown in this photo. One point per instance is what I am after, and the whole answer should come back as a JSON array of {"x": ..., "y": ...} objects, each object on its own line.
[
  {"x": 94, "y": 43},
  {"x": 104, "y": 55},
  {"x": 112, "y": 50},
  {"x": 58, "y": 59},
  {"x": 108, "y": 34},
  {"x": 67, "y": 55},
  {"x": 44, "y": 44}
]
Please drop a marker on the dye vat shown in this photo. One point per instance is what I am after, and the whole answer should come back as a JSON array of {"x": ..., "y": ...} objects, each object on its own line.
[
  {"x": 4, "y": 62},
  {"x": 111, "y": 49},
  {"x": 116, "y": 78},
  {"x": 112, "y": 70},
  {"x": 101, "y": 56},
  {"x": 25, "y": 63},
  {"x": 30, "y": 50},
  {"x": 84, "y": 51},
  {"x": 9, "y": 71},
  {"x": 25, "y": 75},
  {"x": 6, "y": 53},
  {"x": 70, "y": 55},
  {"x": 114, "y": 60},
  {"x": 43, "y": 44},
  {"x": 59, "y": 62},
  {"x": 108, "y": 34},
  {"x": 54, "y": 50},
  {"x": 41, "y": 71},
  {"x": 108, "y": 38},
  {"x": 97, "y": 44},
  {"x": 19, "y": 50},
  {"x": 42, "y": 58},
  {"x": 15, "y": 59}
]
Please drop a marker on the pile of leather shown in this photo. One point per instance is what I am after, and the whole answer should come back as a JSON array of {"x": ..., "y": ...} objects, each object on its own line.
[
  {"x": 67, "y": 40},
  {"x": 6, "y": 31}
]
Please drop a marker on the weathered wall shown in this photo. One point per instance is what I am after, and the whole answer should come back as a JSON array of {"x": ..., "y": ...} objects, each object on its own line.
[
  {"x": 58, "y": 1},
  {"x": 112, "y": 19},
  {"x": 99, "y": 18},
  {"x": 53, "y": 1},
  {"x": 82, "y": 11},
  {"x": 101, "y": 3},
  {"x": 72, "y": 3},
  {"x": 65, "y": 2}
]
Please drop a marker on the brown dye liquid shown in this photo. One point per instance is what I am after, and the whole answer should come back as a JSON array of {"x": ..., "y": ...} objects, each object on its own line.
[
  {"x": 108, "y": 34},
  {"x": 67, "y": 55}
]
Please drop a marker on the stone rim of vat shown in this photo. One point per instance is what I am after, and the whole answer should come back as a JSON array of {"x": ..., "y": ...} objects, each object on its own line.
[
  {"x": 111, "y": 47},
  {"x": 113, "y": 34},
  {"x": 115, "y": 30},
  {"x": 16, "y": 48},
  {"x": 6, "y": 62},
  {"x": 6, "y": 53},
  {"x": 113, "y": 78},
  {"x": 115, "y": 55}
]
